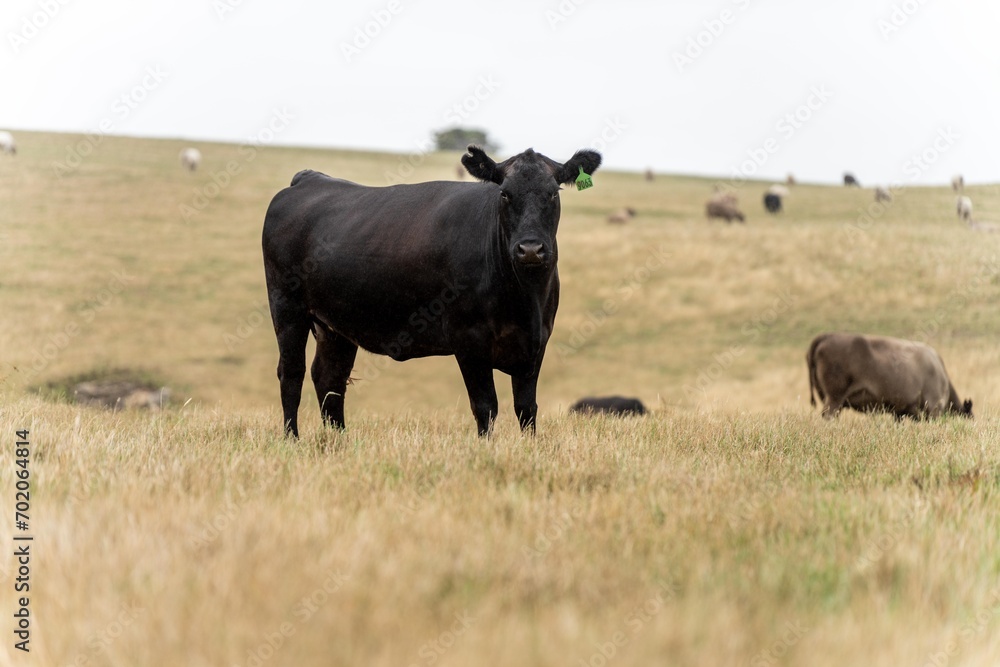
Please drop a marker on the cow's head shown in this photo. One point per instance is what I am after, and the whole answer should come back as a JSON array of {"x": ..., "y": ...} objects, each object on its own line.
[{"x": 529, "y": 199}]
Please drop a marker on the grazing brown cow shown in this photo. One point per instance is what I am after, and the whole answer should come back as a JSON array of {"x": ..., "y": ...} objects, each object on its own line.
[
  {"x": 875, "y": 373},
  {"x": 723, "y": 205}
]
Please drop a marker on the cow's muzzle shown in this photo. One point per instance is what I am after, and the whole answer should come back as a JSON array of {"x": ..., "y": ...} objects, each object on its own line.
[{"x": 531, "y": 253}]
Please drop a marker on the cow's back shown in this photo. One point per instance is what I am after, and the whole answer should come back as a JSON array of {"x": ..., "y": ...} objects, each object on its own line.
[
  {"x": 387, "y": 267},
  {"x": 371, "y": 226}
]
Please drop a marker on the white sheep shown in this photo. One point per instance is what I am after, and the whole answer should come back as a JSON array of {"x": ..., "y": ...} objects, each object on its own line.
[
  {"x": 190, "y": 158},
  {"x": 964, "y": 208},
  {"x": 957, "y": 183},
  {"x": 882, "y": 194},
  {"x": 7, "y": 144}
]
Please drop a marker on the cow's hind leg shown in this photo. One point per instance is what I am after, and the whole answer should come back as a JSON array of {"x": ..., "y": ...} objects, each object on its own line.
[
  {"x": 292, "y": 334},
  {"x": 331, "y": 371}
]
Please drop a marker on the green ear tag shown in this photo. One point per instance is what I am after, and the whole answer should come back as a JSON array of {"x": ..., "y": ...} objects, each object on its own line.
[{"x": 584, "y": 181}]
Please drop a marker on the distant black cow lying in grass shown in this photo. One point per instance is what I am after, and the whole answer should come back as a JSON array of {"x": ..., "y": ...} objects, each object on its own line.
[{"x": 618, "y": 406}]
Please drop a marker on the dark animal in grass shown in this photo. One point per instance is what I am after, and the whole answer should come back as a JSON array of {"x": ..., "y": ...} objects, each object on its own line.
[
  {"x": 429, "y": 269},
  {"x": 875, "y": 373},
  {"x": 772, "y": 202},
  {"x": 619, "y": 406},
  {"x": 850, "y": 181}
]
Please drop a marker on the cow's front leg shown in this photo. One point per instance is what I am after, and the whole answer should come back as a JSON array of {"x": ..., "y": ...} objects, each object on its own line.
[
  {"x": 478, "y": 376},
  {"x": 524, "y": 387}
]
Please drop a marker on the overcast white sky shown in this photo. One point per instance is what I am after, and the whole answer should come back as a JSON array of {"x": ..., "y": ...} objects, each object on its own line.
[{"x": 551, "y": 74}]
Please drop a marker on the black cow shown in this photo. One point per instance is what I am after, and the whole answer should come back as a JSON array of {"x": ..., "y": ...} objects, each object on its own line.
[
  {"x": 772, "y": 202},
  {"x": 850, "y": 180},
  {"x": 618, "y": 406},
  {"x": 438, "y": 268}
]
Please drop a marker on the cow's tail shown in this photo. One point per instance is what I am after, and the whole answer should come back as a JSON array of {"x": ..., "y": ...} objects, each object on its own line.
[{"x": 811, "y": 363}]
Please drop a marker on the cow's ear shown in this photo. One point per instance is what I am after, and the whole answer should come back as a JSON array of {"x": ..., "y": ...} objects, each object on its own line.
[
  {"x": 967, "y": 406},
  {"x": 481, "y": 166},
  {"x": 589, "y": 160}
]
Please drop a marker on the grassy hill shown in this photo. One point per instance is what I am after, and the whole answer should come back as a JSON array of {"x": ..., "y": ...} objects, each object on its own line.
[{"x": 732, "y": 526}]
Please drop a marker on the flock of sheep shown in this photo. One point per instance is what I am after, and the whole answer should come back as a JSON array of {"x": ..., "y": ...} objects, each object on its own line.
[
  {"x": 724, "y": 205},
  {"x": 190, "y": 158}
]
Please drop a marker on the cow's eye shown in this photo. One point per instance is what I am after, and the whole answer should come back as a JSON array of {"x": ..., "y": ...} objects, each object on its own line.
[
  {"x": 555, "y": 195},
  {"x": 504, "y": 195}
]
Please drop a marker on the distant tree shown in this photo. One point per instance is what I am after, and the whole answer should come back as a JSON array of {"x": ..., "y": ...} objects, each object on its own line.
[{"x": 458, "y": 138}]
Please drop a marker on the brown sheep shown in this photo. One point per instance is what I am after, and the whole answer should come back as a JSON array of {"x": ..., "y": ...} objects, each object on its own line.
[
  {"x": 723, "y": 205},
  {"x": 621, "y": 216}
]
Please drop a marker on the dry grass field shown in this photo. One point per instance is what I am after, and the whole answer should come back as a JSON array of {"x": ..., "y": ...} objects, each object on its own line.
[{"x": 732, "y": 526}]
